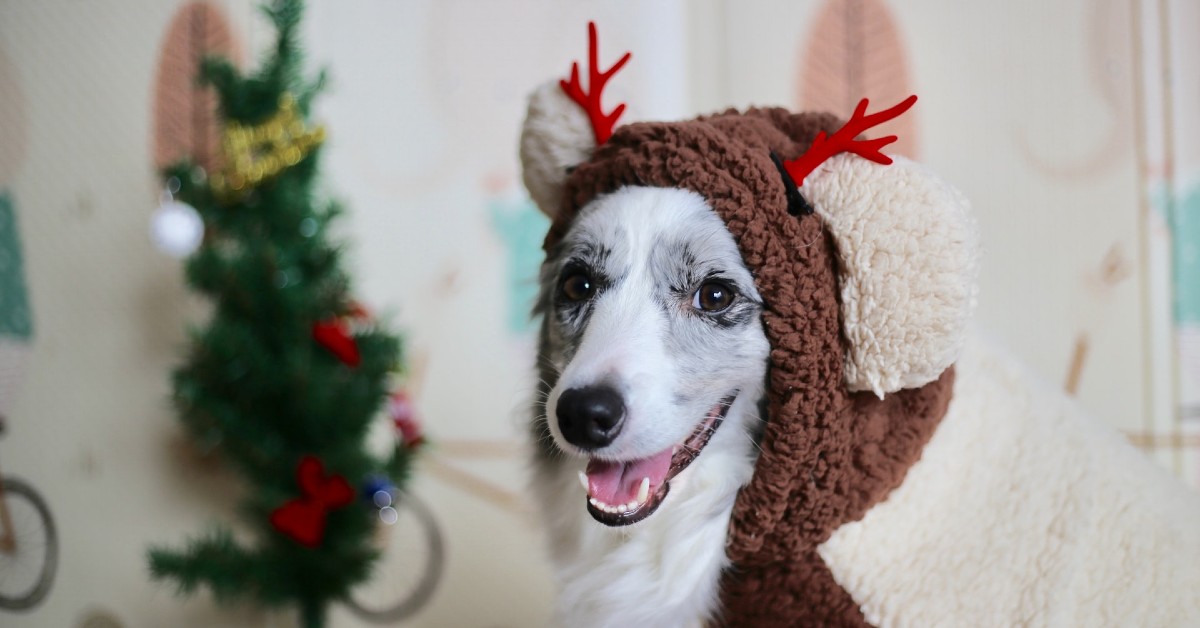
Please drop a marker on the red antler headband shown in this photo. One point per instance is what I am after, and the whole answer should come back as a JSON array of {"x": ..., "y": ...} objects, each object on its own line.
[
  {"x": 602, "y": 123},
  {"x": 843, "y": 141},
  {"x": 793, "y": 171}
]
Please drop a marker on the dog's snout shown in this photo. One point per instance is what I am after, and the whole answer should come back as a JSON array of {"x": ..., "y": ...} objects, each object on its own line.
[{"x": 591, "y": 417}]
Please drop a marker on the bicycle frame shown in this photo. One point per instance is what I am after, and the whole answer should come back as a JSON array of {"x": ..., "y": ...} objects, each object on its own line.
[{"x": 8, "y": 540}]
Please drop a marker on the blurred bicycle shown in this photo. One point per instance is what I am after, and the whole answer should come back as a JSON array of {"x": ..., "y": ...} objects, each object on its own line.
[
  {"x": 412, "y": 557},
  {"x": 28, "y": 544}
]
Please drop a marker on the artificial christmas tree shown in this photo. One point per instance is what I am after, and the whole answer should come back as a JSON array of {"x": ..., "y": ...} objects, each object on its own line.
[{"x": 290, "y": 371}]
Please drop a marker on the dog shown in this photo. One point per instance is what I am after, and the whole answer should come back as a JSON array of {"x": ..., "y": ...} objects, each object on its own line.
[
  {"x": 760, "y": 402},
  {"x": 653, "y": 363}
]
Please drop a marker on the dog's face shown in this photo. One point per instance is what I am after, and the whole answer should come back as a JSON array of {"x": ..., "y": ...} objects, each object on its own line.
[
  {"x": 652, "y": 335},
  {"x": 652, "y": 331}
]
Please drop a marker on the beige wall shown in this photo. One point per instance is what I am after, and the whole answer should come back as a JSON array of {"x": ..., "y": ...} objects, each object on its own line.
[{"x": 1032, "y": 108}]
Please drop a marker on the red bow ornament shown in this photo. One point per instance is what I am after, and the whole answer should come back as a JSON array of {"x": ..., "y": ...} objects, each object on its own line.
[
  {"x": 303, "y": 518},
  {"x": 334, "y": 335},
  {"x": 337, "y": 334}
]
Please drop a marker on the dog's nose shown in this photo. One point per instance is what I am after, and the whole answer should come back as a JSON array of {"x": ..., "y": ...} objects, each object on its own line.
[{"x": 591, "y": 417}]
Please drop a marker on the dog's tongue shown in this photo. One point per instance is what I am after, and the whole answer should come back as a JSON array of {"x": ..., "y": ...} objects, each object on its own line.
[{"x": 618, "y": 482}]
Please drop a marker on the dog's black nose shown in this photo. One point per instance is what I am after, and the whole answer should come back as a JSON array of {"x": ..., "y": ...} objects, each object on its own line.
[{"x": 591, "y": 417}]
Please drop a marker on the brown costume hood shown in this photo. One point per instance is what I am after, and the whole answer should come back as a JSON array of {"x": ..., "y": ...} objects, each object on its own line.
[{"x": 828, "y": 454}]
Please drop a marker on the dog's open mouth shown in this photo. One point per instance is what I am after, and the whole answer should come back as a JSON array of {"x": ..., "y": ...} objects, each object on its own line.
[{"x": 622, "y": 493}]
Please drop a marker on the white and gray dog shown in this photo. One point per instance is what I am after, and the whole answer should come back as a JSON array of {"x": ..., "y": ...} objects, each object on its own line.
[{"x": 652, "y": 352}]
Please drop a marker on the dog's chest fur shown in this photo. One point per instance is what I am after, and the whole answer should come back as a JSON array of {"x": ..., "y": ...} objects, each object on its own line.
[{"x": 662, "y": 572}]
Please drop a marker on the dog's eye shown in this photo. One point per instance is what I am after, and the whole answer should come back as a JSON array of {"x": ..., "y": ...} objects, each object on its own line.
[
  {"x": 578, "y": 286},
  {"x": 713, "y": 296}
]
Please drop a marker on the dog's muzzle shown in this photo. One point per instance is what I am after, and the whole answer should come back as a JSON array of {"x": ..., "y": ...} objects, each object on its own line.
[{"x": 625, "y": 492}]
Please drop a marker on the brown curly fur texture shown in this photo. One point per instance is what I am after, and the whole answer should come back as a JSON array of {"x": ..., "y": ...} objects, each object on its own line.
[{"x": 828, "y": 454}]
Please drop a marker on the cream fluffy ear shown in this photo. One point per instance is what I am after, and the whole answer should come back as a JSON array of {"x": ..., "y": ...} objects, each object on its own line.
[
  {"x": 557, "y": 135},
  {"x": 908, "y": 250}
]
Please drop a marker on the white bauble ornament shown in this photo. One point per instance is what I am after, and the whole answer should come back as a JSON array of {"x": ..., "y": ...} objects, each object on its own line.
[{"x": 176, "y": 229}]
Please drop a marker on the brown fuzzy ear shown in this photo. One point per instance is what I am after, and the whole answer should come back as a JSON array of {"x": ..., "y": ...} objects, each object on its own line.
[
  {"x": 908, "y": 256},
  {"x": 557, "y": 135}
]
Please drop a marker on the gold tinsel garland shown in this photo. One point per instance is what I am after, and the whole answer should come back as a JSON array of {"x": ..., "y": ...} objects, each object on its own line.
[{"x": 257, "y": 153}]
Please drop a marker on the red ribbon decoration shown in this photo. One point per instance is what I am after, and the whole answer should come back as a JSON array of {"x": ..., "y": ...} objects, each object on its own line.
[
  {"x": 334, "y": 335},
  {"x": 303, "y": 518}
]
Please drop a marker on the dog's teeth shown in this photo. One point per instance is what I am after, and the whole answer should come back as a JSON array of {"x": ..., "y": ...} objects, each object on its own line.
[
  {"x": 618, "y": 509},
  {"x": 643, "y": 491},
  {"x": 583, "y": 480}
]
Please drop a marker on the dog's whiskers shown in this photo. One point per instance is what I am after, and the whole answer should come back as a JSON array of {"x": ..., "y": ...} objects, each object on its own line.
[
  {"x": 751, "y": 418},
  {"x": 548, "y": 362},
  {"x": 753, "y": 443},
  {"x": 546, "y": 441}
]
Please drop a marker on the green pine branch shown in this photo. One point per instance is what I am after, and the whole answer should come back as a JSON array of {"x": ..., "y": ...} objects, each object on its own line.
[{"x": 215, "y": 561}]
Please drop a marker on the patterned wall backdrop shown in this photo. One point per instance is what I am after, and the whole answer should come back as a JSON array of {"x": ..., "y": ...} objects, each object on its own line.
[{"x": 1073, "y": 126}]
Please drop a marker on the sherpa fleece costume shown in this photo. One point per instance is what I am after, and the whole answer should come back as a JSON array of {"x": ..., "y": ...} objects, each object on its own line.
[{"x": 903, "y": 479}]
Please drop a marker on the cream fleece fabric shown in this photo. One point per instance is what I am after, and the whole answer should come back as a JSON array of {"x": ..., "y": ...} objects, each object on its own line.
[
  {"x": 909, "y": 249},
  {"x": 1024, "y": 512},
  {"x": 556, "y": 136}
]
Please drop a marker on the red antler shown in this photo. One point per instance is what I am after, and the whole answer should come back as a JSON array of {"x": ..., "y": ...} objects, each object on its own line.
[
  {"x": 843, "y": 141},
  {"x": 602, "y": 124}
]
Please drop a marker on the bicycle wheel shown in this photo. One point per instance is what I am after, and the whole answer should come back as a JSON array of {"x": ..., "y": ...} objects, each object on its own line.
[
  {"x": 410, "y": 567},
  {"x": 27, "y": 572}
]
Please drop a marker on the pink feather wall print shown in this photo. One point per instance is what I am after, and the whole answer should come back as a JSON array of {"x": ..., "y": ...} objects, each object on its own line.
[
  {"x": 1108, "y": 53},
  {"x": 185, "y": 122},
  {"x": 854, "y": 50}
]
